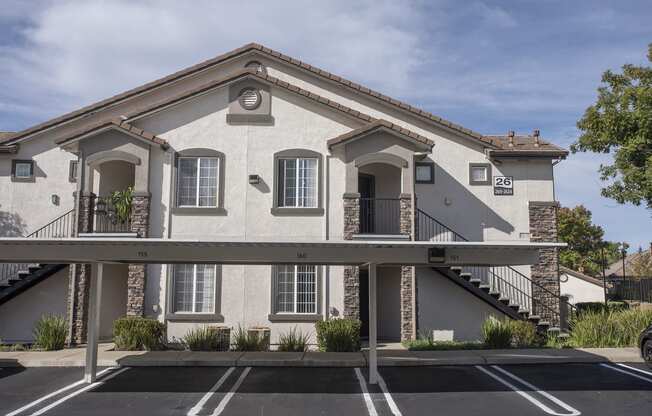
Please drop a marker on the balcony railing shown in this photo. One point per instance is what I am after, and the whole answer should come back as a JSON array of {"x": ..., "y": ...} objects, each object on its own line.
[
  {"x": 380, "y": 216},
  {"x": 107, "y": 219}
]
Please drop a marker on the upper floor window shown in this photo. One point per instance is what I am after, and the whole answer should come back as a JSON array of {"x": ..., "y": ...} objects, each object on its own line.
[
  {"x": 22, "y": 170},
  {"x": 194, "y": 288},
  {"x": 297, "y": 178},
  {"x": 424, "y": 172},
  {"x": 197, "y": 181},
  {"x": 479, "y": 174}
]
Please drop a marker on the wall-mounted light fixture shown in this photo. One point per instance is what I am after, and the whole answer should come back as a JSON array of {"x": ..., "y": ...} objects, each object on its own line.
[
  {"x": 55, "y": 199},
  {"x": 254, "y": 179},
  {"x": 448, "y": 201}
]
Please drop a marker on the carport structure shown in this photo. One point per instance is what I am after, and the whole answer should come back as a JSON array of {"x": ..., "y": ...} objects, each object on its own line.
[{"x": 100, "y": 251}]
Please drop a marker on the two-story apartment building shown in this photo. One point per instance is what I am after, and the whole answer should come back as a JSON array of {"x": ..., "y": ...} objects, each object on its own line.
[{"x": 254, "y": 145}]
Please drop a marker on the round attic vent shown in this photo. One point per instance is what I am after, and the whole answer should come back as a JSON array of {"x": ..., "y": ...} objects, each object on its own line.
[{"x": 250, "y": 99}]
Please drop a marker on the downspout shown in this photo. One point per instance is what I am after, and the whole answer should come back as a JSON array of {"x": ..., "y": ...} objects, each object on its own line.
[{"x": 327, "y": 271}]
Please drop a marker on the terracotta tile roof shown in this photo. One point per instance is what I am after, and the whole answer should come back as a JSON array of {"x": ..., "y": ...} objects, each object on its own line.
[
  {"x": 5, "y": 135},
  {"x": 115, "y": 124},
  {"x": 380, "y": 124},
  {"x": 525, "y": 145},
  {"x": 491, "y": 141}
]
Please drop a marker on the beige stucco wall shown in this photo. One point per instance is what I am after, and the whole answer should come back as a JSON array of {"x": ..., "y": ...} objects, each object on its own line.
[
  {"x": 443, "y": 305},
  {"x": 579, "y": 290},
  {"x": 18, "y": 315}
]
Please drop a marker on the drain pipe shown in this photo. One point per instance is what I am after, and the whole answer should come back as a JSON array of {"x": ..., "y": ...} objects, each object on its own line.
[{"x": 327, "y": 271}]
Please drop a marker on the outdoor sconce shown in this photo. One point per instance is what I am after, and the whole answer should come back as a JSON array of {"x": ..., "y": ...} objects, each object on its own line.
[
  {"x": 55, "y": 199},
  {"x": 448, "y": 202},
  {"x": 436, "y": 255},
  {"x": 254, "y": 179}
]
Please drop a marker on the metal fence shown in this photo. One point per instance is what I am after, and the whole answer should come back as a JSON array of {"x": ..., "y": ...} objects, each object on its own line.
[
  {"x": 629, "y": 289},
  {"x": 380, "y": 216}
]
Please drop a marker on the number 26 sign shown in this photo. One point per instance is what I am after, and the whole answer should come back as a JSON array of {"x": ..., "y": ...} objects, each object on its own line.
[{"x": 503, "y": 185}]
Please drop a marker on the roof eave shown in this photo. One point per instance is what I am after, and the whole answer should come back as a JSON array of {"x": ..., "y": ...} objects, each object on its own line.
[
  {"x": 528, "y": 154},
  {"x": 9, "y": 149}
]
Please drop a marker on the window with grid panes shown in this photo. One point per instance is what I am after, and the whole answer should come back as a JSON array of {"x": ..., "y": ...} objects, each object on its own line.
[
  {"x": 296, "y": 289},
  {"x": 197, "y": 181}
]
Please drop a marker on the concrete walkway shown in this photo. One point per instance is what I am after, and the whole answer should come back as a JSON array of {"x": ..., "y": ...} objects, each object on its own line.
[{"x": 107, "y": 357}]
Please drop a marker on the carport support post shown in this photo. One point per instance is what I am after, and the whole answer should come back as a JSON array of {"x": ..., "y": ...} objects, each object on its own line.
[
  {"x": 373, "y": 358},
  {"x": 94, "y": 304}
]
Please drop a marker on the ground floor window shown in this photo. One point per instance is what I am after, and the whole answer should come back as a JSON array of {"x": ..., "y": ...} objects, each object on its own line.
[
  {"x": 295, "y": 289},
  {"x": 194, "y": 288}
]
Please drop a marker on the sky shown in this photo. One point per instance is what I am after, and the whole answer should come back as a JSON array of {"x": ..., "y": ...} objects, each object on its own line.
[{"x": 491, "y": 66}]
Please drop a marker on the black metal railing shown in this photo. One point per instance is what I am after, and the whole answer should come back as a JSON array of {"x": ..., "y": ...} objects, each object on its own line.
[
  {"x": 108, "y": 219},
  {"x": 60, "y": 227},
  {"x": 506, "y": 281},
  {"x": 380, "y": 216}
]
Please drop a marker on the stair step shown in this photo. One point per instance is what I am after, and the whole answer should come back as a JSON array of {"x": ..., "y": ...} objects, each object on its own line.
[
  {"x": 465, "y": 276},
  {"x": 456, "y": 269},
  {"x": 515, "y": 306},
  {"x": 475, "y": 282},
  {"x": 485, "y": 288},
  {"x": 543, "y": 324}
]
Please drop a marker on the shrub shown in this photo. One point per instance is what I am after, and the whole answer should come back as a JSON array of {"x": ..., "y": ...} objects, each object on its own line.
[
  {"x": 50, "y": 332},
  {"x": 293, "y": 341},
  {"x": 207, "y": 339},
  {"x": 133, "y": 333},
  {"x": 524, "y": 334},
  {"x": 609, "y": 329},
  {"x": 244, "y": 340},
  {"x": 496, "y": 333},
  {"x": 338, "y": 335},
  {"x": 583, "y": 307}
]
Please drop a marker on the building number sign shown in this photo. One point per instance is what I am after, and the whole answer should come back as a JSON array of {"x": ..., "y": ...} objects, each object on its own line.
[{"x": 503, "y": 185}]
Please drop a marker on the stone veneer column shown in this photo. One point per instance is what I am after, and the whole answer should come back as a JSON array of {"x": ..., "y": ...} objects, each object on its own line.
[
  {"x": 79, "y": 276},
  {"x": 138, "y": 272},
  {"x": 543, "y": 228},
  {"x": 351, "y": 203},
  {"x": 408, "y": 283}
]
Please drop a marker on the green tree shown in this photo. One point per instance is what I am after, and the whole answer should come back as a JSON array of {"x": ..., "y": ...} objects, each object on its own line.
[
  {"x": 585, "y": 242},
  {"x": 620, "y": 122}
]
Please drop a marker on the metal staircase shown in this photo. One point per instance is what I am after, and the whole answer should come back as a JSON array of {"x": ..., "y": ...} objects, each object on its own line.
[
  {"x": 504, "y": 287},
  {"x": 15, "y": 278}
]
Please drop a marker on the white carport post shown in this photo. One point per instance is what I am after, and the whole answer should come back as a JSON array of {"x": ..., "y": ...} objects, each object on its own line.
[
  {"x": 373, "y": 358},
  {"x": 92, "y": 335}
]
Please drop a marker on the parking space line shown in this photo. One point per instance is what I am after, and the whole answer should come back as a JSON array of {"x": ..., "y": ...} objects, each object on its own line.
[
  {"x": 55, "y": 393},
  {"x": 225, "y": 400},
  {"x": 528, "y": 397},
  {"x": 629, "y": 373},
  {"x": 388, "y": 397},
  {"x": 640, "y": 370},
  {"x": 365, "y": 394},
  {"x": 78, "y": 392},
  {"x": 200, "y": 404}
]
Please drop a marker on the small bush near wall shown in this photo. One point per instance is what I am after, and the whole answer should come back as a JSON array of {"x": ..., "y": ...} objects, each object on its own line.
[
  {"x": 338, "y": 335},
  {"x": 524, "y": 334},
  {"x": 208, "y": 338},
  {"x": 610, "y": 329},
  {"x": 250, "y": 340},
  {"x": 134, "y": 333},
  {"x": 496, "y": 333},
  {"x": 600, "y": 306},
  {"x": 50, "y": 332},
  {"x": 293, "y": 341}
]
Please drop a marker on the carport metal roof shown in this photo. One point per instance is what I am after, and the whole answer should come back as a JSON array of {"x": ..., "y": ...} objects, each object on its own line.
[
  {"x": 99, "y": 251},
  {"x": 233, "y": 251}
]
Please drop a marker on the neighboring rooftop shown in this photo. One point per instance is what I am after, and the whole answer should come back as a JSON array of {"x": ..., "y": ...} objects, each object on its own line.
[{"x": 631, "y": 260}]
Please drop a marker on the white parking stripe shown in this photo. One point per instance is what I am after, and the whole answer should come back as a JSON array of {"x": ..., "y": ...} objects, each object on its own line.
[
  {"x": 200, "y": 404},
  {"x": 78, "y": 392},
  {"x": 388, "y": 397},
  {"x": 636, "y": 369},
  {"x": 629, "y": 373},
  {"x": 365, "y": 394},
  {"x": 225, "y": 400},
  {"x": 528, "y": 397},
  {"x": 55, "y": 393}
]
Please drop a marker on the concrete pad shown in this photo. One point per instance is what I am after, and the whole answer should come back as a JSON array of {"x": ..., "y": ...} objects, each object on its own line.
[
  {"x": 271, "y": 359},
  {"x": 621, "y": 355},
  {"x": 153, "y": 359},
  {"x": 558, "y": 356},
  {"x": 394, "y": 358},
  {"x": 334, "y": 359},
  {"x": 211, "y": 358}
]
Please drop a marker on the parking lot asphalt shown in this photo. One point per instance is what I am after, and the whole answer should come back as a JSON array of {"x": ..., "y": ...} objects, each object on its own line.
[{"x": 554, "y": 389}]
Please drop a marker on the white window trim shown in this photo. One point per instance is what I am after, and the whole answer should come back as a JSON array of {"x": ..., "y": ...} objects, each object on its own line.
[
  {"x": 217, "y": 184},
  {"x": 294, "y": 300},
  {"x": 194, "y": 292},
  {"x": 297, "y": 187}
]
